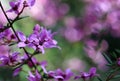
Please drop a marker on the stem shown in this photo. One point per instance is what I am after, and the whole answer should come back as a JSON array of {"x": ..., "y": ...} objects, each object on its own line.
[
  {"x": 111, "y": 75},
  {"x": 4, "y": 12},
  {"x": 11, "y": 25},
  {"x": 19, "y": 14},
  {"x": 84, "y": 79},
  {"x": 35, "y": 53}
]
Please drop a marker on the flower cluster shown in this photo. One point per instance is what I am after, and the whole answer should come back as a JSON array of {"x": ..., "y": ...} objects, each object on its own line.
[
  {"x": 51, "y": 11},
  {"x": 85, "y": 75},
  {"x": 98, "y": 23},
  {"x": 97, "y": 18},
  {"x": 38, "y": 40},
  {"x": 10, "y": 60},
  {"x": 15, "y": 6}
]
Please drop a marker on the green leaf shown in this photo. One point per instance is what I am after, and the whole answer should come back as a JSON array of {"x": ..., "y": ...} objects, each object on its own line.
[
  {"x": 99, "y": 79},
  {"x": 109, "y": 64},
  {"x": 115, "y": 77},
  {"x": 117, "y": 50},
  {"x": 107, "y": 58},
  {"x": 114, "y": 55},
  {"x": 22, "y": 18}
]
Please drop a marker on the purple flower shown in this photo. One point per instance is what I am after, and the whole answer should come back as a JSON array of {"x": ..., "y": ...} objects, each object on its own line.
[
  {"x": 31, "y": 2},
  {"x": 92, "y": 72},
  {"x": 52, "y": 11},
  {"x": 59, "y": 75},
  {"x": 14, "y": 7},
  {"x": 85, "y": 75},
  {"x": 27, "y": 3},
  {"x": 36, "y": 29},
  {"x": 30, "y": 64},
  {"x": 34, "y": 77},
  {"x": 4, "y": 60},
  {"x": 6, "y": 35},
  {"x": 12, "y": 59},
  {"x": 23, "y": 39},
  {"x": 38, "y": 40},
  {"x": 43, "y": 65},
  {"x": 1, "y": 32},
  {"x": 17, "y": 71},
  {"x": 118, "y": 61},
  {"x": 41, "y": 38}
]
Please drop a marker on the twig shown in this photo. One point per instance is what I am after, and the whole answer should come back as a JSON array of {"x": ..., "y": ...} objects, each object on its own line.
[{"x": 11, "y": 26}]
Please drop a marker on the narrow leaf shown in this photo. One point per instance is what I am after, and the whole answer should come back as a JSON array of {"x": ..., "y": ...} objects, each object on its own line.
[
  {"x": 22, "y": 18},
  {"x": 114, "y": 55},
  {"x": 107, "y": 58},
  {"x": 117, "y": 50},
  {"x": 115, "y": 77},
  {"x": 99, "y": 79}
]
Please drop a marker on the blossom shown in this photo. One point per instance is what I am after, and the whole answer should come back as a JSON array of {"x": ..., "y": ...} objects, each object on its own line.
[
  {"x": 14, "y": 7},
  {"x": 5, "y": 50},
  {"x": 94, "y": 51},
  {"x": 30, "y": 64},
  {"x": 27, "y": 2},
  {"x": 85, "y": 75},
  {"x": 51, "y": 11},
  {"x": 34, "y": 77},
  {"x": 39, "y": 40},
  {"x": 118, "y": 61},
  {"x": 43, "y": 65},
  {"x": 14, "y": 56},
  {"x": 4, "y": 60},
  {"x": 11, "y": 59},
  {"x": 6, "y": 34},
  {"x": 31, "y": 2},
  {"x": 60, "y": 75},
  {"x": 16, "y": 71},
  {"x": 22, "y": 38},
  {"x": 1, "y": 32}
]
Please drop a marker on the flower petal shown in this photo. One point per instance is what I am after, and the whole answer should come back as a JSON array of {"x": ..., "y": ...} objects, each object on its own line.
[
  {"x": 21, "y": 44},
  {"x": 21, "y": 36}
]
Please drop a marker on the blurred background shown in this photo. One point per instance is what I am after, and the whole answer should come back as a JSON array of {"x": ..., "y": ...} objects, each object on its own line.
[{"x": 85, "y": 29}]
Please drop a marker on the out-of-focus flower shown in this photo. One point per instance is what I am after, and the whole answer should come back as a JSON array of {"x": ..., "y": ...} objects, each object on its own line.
[
  {"x": 43, "y": 65},
  {"x": 34, "y": 60},
  {"x": 34, "y": 77},
  {"x": 17, "y": 71},
  {"x": 14, "y": 57},
  {"x": 74, "y": 64},
  {"x": 3, "y": 19},
  {"x": 6, "y": 36},
  {"x": 73, "y": 32},
  {"x": 49, "y": 11},
  {"x": 4, "y": 60},
  {"x": 118, "y": 61},
  {"x": 95, "y": 52},
  {"x": 85, "y": 75},
  {"x": 113, "y": 21},
  {"x": 59, "y": 75},
  {"x": 10, "y": 60},
  {"x": 5, "y": 50},
  {"x": 14, "y": 7},
  {"x": 27, "y": 3}
]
